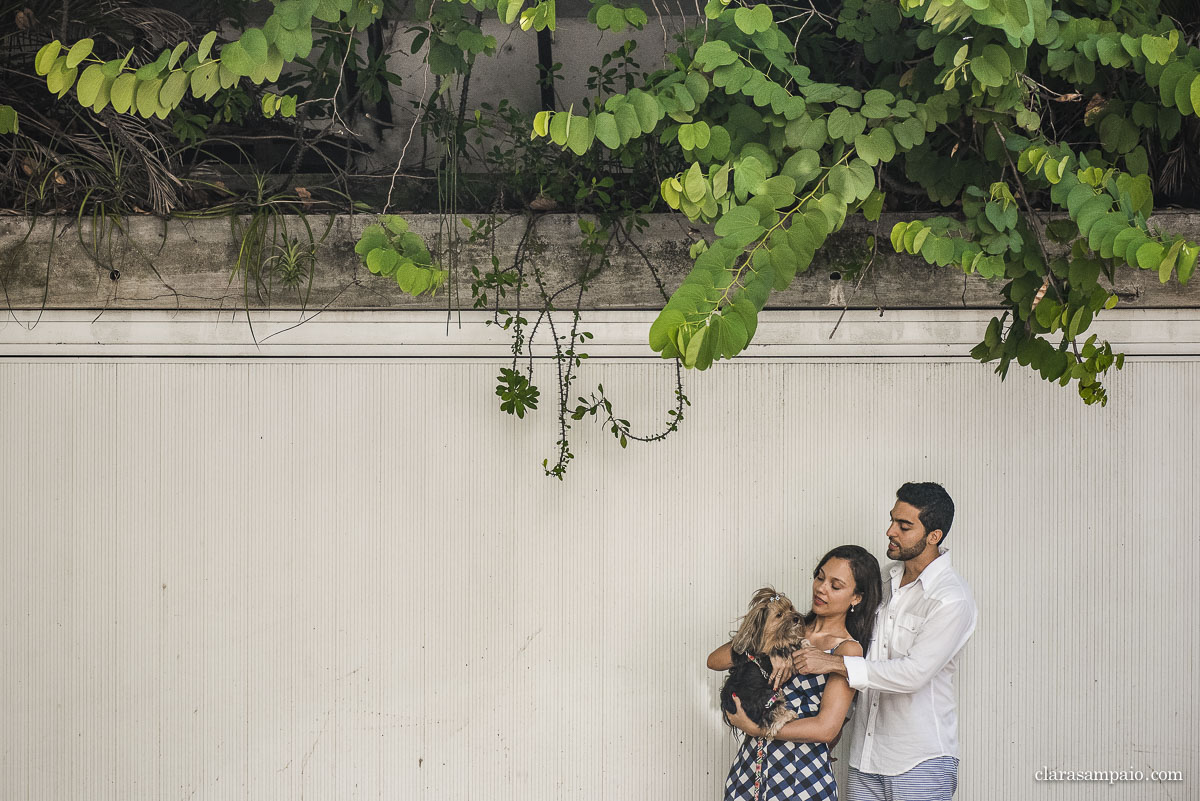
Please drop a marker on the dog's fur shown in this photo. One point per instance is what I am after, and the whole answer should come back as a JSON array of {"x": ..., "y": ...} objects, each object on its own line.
[{"x": 771, "y": 626}]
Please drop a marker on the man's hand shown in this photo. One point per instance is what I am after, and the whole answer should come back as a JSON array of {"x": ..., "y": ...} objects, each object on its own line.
[
  {"x": 813, "y": 661},
  {"x": 739, "y": 720},
  {"x": 781, "y": 671}
]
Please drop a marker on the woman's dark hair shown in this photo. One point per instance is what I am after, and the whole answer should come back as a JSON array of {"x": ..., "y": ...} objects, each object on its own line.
[
  {"x": 867, "y": 583},
  {"x": 933, "y": 504}
]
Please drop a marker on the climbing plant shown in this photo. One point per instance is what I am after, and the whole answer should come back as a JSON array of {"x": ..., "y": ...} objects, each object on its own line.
[{"x": 792, "y": 120}]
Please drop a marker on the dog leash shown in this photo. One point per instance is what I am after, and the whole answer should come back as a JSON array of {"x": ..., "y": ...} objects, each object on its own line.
[{"x": 761, "y": 742}]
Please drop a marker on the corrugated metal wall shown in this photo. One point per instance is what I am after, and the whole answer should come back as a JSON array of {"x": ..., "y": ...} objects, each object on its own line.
[{"x": 339, "y": 580}]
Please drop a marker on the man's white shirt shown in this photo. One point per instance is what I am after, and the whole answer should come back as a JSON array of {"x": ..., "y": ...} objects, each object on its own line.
[{"x": 906, "y": 711}]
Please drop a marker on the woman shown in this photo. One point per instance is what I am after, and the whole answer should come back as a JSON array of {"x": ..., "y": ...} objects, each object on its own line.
[{"x": 845, "y": 594}]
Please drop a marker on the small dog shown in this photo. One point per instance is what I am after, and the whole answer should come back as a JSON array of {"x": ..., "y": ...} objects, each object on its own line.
[{"x": 771, "y": 626}]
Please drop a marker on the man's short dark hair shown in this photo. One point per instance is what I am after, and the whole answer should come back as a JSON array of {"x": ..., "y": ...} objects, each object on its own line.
[{"x": 933, "y": 504}]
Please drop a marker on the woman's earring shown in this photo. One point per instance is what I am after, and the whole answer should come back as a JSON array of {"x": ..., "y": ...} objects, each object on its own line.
[{"x": 852, "y": 609}]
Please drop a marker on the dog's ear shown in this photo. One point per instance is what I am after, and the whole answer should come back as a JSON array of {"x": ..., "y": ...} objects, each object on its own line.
[{"x": 750, "y": 630}]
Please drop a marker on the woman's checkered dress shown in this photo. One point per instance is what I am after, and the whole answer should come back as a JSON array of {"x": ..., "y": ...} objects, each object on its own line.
[{"x": 794, "y": 771}]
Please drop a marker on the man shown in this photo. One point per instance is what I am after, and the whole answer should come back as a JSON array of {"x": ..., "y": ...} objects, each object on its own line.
[{"x": 904, "y": 736}]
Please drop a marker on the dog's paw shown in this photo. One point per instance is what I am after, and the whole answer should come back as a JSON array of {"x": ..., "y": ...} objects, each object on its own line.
[{"x": 780, "y": 716}]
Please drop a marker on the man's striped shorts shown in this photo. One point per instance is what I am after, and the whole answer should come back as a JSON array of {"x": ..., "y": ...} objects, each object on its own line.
[{"x": 932, "y": 780}]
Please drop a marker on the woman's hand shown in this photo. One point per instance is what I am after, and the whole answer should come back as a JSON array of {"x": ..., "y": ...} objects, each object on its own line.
[
  {"x": 781, "y": 670},
  {"x": 739, "y": 720}
]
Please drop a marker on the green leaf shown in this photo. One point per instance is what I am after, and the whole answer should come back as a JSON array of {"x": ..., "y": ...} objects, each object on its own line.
[
  {"x": 1167, "y": 266},
  {"x": 443, "y": 58},
  {"x": 254, "y": 43},
  {"x": 1183, "y": 93},
  {"x": 606, "y": 130},
  {"x": 560, "y": 124},
  {"x": 9, "y": 122},
  {"x": 686, "y": 137},
  {"x": 89, "y": 84},
  {"x": 1150, "y": 256},
  {"x": 382, "y": 260},
  {"x": 729, "y": 335},
  {"x": 842, "y": 183},
  {"x": 872, "y": 207},
  {"x": 46, "y": 57},
  {"x": 147, "y": 97},
  {"x": 580, "y": 137},
  {"x": 748, "y": 175},
  {"x": 206, "y": 45},
  {"x": 694, "y": 185},
  {"x": 1187, "y": 262},
  {"x": 204, "y": 81},
  {"x": 840, "y": 123},
  {"x": 753, "y": 19},
  {"x": 1091, "y": 211},
  {"x": 610, "y": 18},
  {"x": 715, "y": 53},
  {"x": 1157, "y": 49},
  {"x": 739, "y": 221},
  {"x": 290, "y": 13},
  {"x": 509, "y": 10},
  {"x": 79, "y": 51},
  {"x": 802, "y": 166},
  {"x": 662, "y": 331},
  {"x": 627, "y": 122},
  {"x": 864, "y": 178},
  {"x": 991, "y": 67},
  {"x": 745, "y": 309},
  {"x": 692, "y": 351},
  {"x": 121, "y": 94},
  {"x": 373, "y": 236},
  {"x": 649, "y": 112},
  {"x": 235, "y": 59},
  {"x": 882, "y": 145},
  {"x": 806, "y": 134},
  {"x": 173, "y": 89},
  {"x": 175, "y": 55}
]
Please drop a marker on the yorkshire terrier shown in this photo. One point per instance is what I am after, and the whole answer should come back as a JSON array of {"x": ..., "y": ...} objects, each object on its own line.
[{"x": 771, "y": 626}]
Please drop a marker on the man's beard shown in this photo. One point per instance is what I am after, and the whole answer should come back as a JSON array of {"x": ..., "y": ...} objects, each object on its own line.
[{"x": 912, "y": 553}]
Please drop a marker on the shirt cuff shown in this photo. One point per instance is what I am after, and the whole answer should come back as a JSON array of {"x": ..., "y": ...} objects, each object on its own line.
[{"x": 856, "y": 672}]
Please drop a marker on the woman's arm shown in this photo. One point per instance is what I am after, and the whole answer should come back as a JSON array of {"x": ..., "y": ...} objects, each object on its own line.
[
  {"x": 722, "y": 658},
  {"x": 826, "y": 725}
]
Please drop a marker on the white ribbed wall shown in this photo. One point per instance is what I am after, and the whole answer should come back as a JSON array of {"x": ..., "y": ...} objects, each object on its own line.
[{"x": 320, "y": 580}]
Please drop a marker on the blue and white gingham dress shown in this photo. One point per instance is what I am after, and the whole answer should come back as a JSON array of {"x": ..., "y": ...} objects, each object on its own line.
[{"x": 793, "y": 771}]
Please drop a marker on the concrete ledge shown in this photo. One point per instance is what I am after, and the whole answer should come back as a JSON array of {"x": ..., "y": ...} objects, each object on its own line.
[
  {"x": 822, "y": 335},
  {"x": 57, "y": 263}
]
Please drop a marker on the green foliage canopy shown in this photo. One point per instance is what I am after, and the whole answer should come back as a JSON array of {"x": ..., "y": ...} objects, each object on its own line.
[{"x": 780, "y": 154}]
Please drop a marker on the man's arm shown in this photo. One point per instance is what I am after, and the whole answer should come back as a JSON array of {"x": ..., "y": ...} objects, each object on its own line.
[{"x": 942, "y": 636}]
